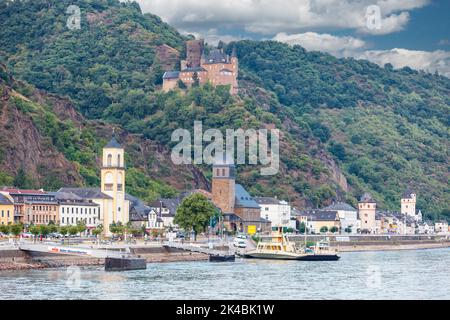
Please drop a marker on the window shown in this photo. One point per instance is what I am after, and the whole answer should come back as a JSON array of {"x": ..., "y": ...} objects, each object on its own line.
[
  {"x": 109, "y": 187},
  {"x": 62, "y": 209},
  {"x": 118, "y": 161},
  {"x": 109, "y": 162},
  {"x": 62, "y": 219},
  {"x": 223, "y": 172}
]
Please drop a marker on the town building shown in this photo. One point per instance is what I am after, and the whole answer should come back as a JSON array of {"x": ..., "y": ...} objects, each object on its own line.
[
  {"x": 317, "y": 220},
  {"x": 241, "y": 213},
  {"x": 348, "y": 216},
  {"x": 278, "y": 212},
  {"x": 74, "y": 210},
  {"x": 33, "y": 206},
  {"x": 397, "y": 223},
  {"x": 367, "y": 208},
  {"x": 166, "y": 210},
  {"x": 441, "y": 227},
  {"x": 6, "y": 210},
  {"x": 408, "y": 205},
  {"x": 426, "y": 227},
  {"x": 216, "y": 68}
]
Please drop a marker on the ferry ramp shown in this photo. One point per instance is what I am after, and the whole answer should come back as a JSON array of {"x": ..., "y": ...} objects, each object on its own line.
[{"x": 74, "y": 251}]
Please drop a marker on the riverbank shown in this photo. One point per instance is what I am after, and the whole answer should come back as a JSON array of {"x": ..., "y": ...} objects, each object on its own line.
[{"x": 14, "y": 259}]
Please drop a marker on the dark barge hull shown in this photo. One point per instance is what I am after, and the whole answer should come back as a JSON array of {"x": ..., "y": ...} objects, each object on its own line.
[
  {"x": 303, "y": 258},
  {"x": 125, "y": 264},
  {"x": 226, "y": 258}
]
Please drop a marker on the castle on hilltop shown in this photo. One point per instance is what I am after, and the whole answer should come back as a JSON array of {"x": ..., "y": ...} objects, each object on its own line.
[{"x": 216, "y": 68}]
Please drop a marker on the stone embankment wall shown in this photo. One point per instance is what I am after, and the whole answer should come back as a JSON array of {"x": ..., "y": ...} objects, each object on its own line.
[
  {"x": 20, "y": 260},
  {"x": 162, "y": 254}
]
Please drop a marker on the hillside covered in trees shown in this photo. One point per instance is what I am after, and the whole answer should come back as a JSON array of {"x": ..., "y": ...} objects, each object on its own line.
[{"x": 348, "y": 126}]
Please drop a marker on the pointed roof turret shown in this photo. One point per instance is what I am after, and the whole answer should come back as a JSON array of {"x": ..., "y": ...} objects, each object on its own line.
[
  {"x": 113, "y": 143},
  {"x": 367, "y": 198},
  {"x": 234, "y": 52}
]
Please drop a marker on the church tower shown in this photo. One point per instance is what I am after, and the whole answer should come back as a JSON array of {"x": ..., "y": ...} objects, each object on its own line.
[
  {"x": 113, "y": 184},
  {"x": 223, "y": 185}
]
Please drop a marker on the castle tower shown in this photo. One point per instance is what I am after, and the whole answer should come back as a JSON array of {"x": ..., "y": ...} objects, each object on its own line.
[
  {"x": 194, "y": 50},
  {"x": 408, "y": 203},
  {"x": 223, "y": 185},
  {"x": 113, "y": 185},
  {"x": 367, "y": 213}
]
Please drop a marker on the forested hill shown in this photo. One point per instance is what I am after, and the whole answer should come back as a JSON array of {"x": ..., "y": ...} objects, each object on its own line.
[
  {"x": 116, "y": 51},
  {"x": 388, "y": 129},
  {"x": 385, "y": 130}
]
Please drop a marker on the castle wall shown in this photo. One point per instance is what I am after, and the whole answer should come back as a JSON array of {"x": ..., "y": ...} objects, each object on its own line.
[{"x": 169, "y": 84}]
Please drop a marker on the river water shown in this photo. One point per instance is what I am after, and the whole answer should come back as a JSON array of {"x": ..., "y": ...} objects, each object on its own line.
[{"x": 422, "y": 274}]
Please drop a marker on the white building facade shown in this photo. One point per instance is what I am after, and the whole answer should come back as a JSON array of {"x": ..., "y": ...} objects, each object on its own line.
[
  {"x": 276, "y": 211},
  {"x": 348, "y": 217}
]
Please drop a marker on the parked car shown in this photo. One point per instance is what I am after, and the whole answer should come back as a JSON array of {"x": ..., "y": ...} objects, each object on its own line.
[
  {"x": 181, "y": 235},
  {"x": 240, "y": 243}
]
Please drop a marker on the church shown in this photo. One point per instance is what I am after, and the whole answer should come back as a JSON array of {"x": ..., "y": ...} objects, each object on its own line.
[
  {"x": 241, "y": 213},
  {"x": 111, "y": 197}
]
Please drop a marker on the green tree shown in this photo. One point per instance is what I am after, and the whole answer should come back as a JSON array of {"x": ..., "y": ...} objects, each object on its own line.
[
  {"x": 324, "y": 229},
  {"x": 196, "y": 79},
  {"x": 334, "y": 230},
  {"x": 194, "y": 214},
  {"x": 52, "y": 227},
  {"x": 44, "y": 230},
  {"x": 81, "y": 227},
  {"x": 73, "y": 230},
  {"x": 302, "y": 228},
  {"x": 21, "y": 180},
  {"x": 64, "y": 230},
  {"x": 5, "y": 229},
  {"x": 35, "y": 231},
  {"x": 117, "y": 229},
  {"x": 97, "y": 231},
  {"x": 16, "y": 229}
]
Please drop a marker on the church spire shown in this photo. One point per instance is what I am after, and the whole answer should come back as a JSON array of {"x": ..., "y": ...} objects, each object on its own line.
[{"x": 113, "y": 143}]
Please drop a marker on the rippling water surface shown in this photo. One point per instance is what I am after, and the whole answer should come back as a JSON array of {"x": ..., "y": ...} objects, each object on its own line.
[{"x": 369, "y": 275}]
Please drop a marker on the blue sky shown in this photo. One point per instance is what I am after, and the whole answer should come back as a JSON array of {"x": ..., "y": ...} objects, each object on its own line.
[{"x": 413, "y": 33}]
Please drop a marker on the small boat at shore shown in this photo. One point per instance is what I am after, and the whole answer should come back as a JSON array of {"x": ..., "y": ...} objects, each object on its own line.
[{"x": 278, "y": 247}]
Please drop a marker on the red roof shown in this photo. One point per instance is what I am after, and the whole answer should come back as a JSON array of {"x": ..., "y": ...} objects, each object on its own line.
[{"x": 20, "y": 191}]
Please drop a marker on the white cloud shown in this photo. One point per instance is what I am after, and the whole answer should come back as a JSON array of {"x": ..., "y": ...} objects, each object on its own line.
[
  {"x": 339, "y": 46},
  {"x": 269, "y": 17},
  {"x": 420, "y": 60},
  {"x": 357, "y": 48}
]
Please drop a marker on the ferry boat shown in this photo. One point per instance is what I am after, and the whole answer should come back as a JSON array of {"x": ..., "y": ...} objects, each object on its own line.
[{"x": 279, "y": 247}]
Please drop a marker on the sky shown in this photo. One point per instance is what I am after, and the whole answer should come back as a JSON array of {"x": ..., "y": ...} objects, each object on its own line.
[{"x": 414, "y": 33}]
